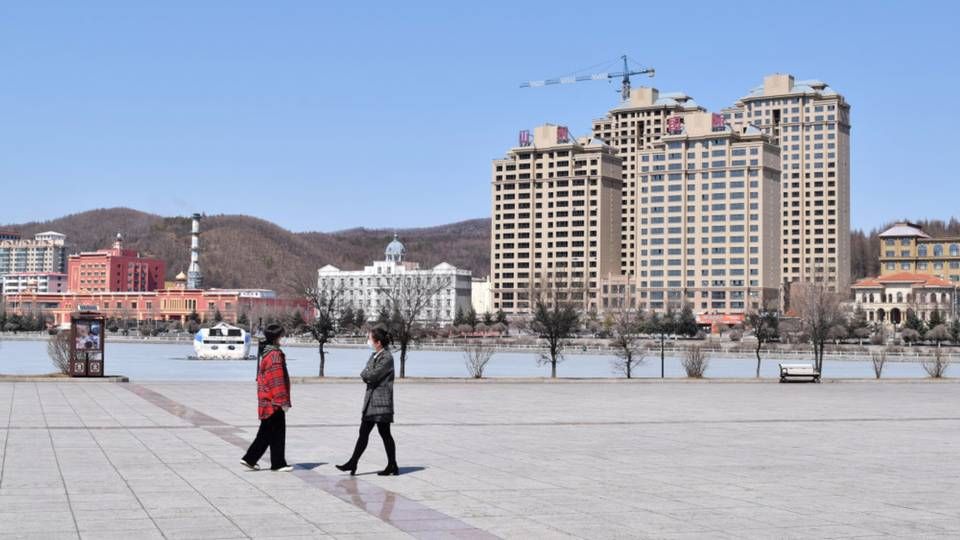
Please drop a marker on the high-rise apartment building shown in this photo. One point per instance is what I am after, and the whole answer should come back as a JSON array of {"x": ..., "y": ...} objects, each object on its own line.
[
  {"x": 634, "y": 125},
  {"x": 556, "y": 220},
  {"x": 45, "y": 253},
  {"x": 708, "y": 200},
  {"x": 810, "y": 122}
]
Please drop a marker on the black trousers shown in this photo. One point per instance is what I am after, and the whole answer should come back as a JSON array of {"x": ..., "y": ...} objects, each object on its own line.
[
  {"x": 389, "y": 445},
  {"x": 272, "y": 433}
]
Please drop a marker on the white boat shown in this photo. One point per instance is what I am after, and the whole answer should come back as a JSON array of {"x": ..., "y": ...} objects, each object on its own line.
[{"x": 222, "y": 342}]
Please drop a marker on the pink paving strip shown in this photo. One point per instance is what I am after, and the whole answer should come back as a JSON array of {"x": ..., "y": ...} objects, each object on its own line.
[{"x": 405, "y": 514}]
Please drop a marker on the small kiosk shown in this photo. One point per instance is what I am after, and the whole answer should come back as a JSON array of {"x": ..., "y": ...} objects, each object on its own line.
[{"x": 87, "y": 334}]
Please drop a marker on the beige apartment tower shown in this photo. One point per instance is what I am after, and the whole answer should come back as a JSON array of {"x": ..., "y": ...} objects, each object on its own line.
[
  {"x": 634, "y": 125},
  {"x": 810, "y": 122},
  {"x": 708, "y": 212},
  {"x": 556, "y": 220}
]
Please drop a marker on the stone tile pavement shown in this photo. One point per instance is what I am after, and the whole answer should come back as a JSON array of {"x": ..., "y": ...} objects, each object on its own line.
[{"x": 486, "y": 460}]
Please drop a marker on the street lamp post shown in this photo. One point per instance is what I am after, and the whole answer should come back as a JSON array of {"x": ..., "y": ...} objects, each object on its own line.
[{"x": 662, "y": 337}]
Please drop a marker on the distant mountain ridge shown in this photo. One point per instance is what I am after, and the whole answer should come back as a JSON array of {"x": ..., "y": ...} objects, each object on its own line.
[{"x": 244, "y": 251}]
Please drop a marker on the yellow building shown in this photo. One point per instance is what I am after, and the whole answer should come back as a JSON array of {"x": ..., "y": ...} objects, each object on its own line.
[{"x": 904, "y": 247}]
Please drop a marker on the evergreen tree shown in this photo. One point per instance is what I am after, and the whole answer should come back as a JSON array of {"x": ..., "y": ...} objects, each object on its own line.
[
  {"x": 217, "y": 316},
  {"x": 296, "y": 324},
  {"x": 936, "y": 319},
  {"x": 687, "y": 323},
  {"x": 458, "y": 317},
  {"x": 243, "y": 320},
  {"x": 346, "y": 319},
  {"x": 914, "y": 323},
  {"x": 502, "y": 318},
  {"x": 857, "y": 320},
  {"x": 383, "y": 316},
  {"x": 359, "y": 319},
  {"x": 488, "y": 318},
  {"x": 955, "y": 331},
  {"x": 471, "y": 318}
]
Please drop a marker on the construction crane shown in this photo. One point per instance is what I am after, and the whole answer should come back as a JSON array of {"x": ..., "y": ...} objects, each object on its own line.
[{"x": 624, "y": 85}]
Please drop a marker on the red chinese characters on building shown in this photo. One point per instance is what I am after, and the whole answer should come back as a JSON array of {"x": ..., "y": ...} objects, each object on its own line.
[
  {"x": 674, "y": 125},
  {"x": 718, "y": 122},
  {"x": 525, "y": 138},
  {"x": 563, "y": 134}
]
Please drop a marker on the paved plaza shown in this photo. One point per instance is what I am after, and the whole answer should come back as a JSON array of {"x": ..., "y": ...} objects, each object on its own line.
[{"x": 486, "y": 460}]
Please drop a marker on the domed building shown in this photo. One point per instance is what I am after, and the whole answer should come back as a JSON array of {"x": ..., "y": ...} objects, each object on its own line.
[
  {"x": 374, "y": 287},
  {"x": 395, "y": 250}
]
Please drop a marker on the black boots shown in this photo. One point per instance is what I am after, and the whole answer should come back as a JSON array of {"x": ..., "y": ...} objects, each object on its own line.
[
  {"x": 352, "y": 467},
  {"x": 391, "y": 470}
]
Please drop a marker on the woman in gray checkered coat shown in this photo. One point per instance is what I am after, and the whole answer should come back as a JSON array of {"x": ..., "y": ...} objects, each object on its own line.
[{"x": 377, "y": 403}]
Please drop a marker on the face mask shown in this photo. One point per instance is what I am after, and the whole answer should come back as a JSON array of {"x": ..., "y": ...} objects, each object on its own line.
[{"x": 370, "y": 344}]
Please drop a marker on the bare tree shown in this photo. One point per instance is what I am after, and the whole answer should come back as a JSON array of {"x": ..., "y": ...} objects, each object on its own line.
[
  {"x": 58, "y": 348},
  {"x": 936, "y": 366},
  {"x": 554, "y": 324},
  {"x": 326, "y": 301},
  {"x": 766, "y": 327},
  {"x": 626, "y": 328},
  {"x": 477, "y": 354},
  {"x": 695, "y": 362},
  {"x": 879, "y": 360},
  {"x": 819, "y": 310},
  {"x": 411, "y": 300}
]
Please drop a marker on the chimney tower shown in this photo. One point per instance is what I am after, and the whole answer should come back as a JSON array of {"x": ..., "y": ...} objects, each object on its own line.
[{"x": 194, "y": 276}]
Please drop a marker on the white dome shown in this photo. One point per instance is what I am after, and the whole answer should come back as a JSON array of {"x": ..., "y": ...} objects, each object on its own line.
[{"x": 395, "y": 250}]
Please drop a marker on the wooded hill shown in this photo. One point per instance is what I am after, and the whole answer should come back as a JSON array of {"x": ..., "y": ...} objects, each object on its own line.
[{"x": 243, "y": 251}]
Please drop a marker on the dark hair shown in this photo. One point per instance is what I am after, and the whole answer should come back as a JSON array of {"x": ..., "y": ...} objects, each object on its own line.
[
  {"x": 272, "y": 334},
  {"x": 381, "y": 335}
]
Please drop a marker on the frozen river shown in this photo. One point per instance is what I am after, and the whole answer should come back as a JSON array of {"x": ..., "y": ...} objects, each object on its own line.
[{"x": 168, "y": 361}]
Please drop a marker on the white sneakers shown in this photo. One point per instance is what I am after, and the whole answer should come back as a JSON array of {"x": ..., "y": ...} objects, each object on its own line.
[{"x": 255, "y": 467}]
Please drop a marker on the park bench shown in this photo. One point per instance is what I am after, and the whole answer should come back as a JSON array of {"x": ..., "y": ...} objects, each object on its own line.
[{"x": 799, "y": 372}]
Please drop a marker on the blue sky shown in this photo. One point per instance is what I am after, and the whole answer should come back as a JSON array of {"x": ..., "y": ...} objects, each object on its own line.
[{"x": 325, "y": 116}]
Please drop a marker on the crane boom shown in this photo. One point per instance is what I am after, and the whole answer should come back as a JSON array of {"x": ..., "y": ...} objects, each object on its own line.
[{"x": 623, "y": 75}]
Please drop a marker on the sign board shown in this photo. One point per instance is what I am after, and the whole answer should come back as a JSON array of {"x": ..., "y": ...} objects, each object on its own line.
[
  {"x": 674, "y": 125},
  {"x": 87, "y": 335},
  {"x": 563, "y": 134},
  {"x": 525, "y": 138},
  {"x": 719, "y": 318},
  {"x": 718, "y": 122}
]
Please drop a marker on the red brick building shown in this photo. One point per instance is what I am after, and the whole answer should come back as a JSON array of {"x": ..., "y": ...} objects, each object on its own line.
[
  {"x": 114, "y": 270},
  {"x": 175, "y": 304}
]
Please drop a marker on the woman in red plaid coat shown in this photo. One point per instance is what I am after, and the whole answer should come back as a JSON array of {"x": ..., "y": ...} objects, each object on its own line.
[{"x": 273, "y": 396}]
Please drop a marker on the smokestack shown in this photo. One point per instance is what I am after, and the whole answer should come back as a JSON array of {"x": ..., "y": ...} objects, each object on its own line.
[{"x": 194, "y": 277}]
